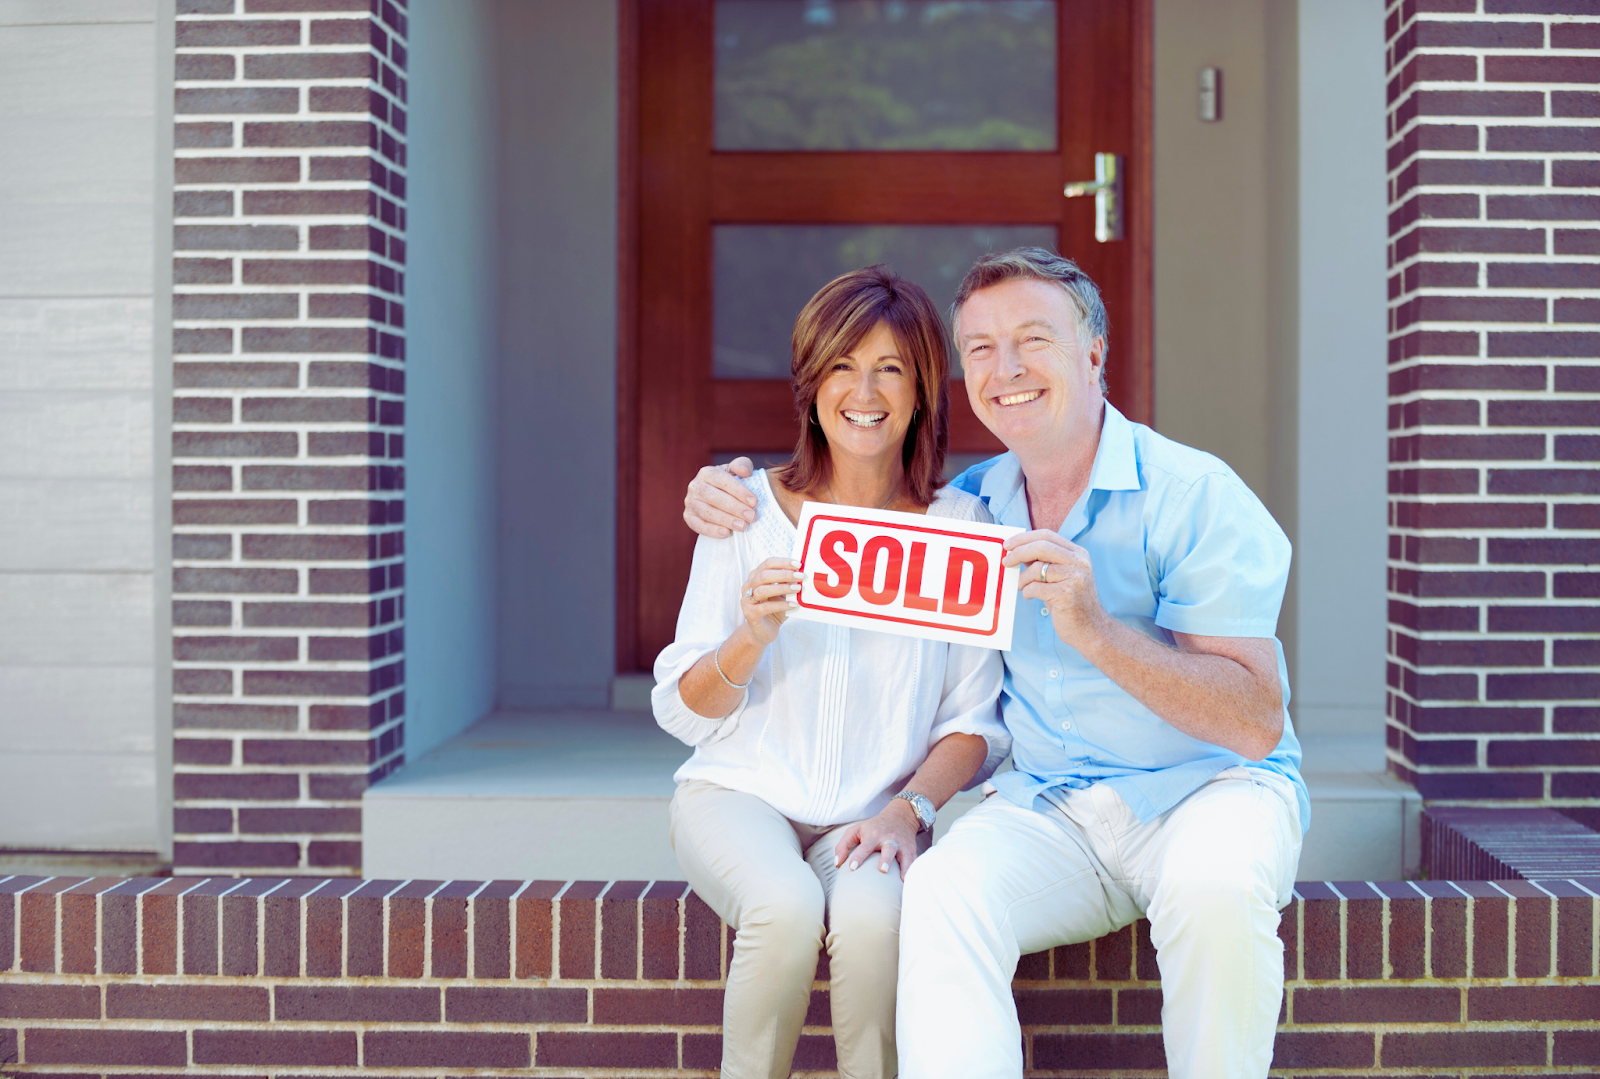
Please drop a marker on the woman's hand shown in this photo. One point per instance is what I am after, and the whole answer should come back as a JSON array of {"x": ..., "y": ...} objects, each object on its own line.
[
  {"x": 892, "y": 834},
  {"x": 765, "y": 596}
]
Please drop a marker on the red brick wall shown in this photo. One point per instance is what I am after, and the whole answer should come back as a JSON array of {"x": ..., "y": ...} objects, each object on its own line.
[
  {"x": 288, "y": 334},
  {"x": 374, "y": 975},
  {"x": 1494, "y": 415}
]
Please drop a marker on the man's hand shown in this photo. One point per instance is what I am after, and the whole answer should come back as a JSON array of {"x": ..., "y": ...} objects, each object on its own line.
[
  {"x": 1061, "y": 576},
  {"x": 1222, "y": 690},
  {"x": 717, "y": 504}
]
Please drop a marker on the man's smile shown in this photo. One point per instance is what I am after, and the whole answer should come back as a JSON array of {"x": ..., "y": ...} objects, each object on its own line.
[{"x": 1012, "y": 399}]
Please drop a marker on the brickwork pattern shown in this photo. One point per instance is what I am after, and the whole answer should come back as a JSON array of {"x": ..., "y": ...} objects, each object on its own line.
[
  {"x": 1494, "y": 391},
  {"x": 287, "y": 442},
  {"x": 626, "y": 977}
]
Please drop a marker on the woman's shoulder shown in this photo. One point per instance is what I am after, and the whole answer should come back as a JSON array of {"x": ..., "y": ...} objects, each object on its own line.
[
  {"x": 959, "y": 506},
  {"x": 760, "y": 485},
  {"x": 772, "y": 533}
]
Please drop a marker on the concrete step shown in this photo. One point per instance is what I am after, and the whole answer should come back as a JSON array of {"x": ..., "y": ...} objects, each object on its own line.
[
  {"x": 1365, "y": 823},
  {"x": 583, "y": 794}
]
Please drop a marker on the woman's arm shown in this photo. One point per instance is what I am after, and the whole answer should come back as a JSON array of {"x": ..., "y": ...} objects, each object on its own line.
[
  {"x": 764, "y": 602},
  {"x": 950, "y": 764}
]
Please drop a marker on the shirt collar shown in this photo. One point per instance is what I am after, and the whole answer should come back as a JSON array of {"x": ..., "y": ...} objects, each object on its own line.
[
  {"x": 1116, "y": 461},
  {"x": 1116, "y": 468}
]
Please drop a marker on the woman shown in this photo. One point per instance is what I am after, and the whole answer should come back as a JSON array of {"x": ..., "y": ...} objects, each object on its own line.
[{"x": 817, "y": 746}]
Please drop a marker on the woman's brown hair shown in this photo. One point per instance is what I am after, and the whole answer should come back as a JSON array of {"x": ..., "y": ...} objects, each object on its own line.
[{"x": 830, "y": 326}]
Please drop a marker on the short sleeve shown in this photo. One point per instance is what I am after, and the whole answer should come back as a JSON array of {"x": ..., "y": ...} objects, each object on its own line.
[
  {"x": 710, "y": 612},
  {"x": 1220, "y": 562}
]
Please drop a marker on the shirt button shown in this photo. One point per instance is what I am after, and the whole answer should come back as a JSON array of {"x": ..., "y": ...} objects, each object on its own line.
[
  {"x": 1066, "y": 725},
  {"x": 1055, "y": 674},
  {"x": 1044, "y": 612}
]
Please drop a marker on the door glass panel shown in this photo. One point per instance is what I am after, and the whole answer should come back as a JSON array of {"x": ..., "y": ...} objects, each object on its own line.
[
  {"x": 764, "y": 274},
  {"x": 885, "y": 75}
]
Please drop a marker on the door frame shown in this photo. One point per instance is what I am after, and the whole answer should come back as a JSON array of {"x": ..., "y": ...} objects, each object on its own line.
[{"x": 1135, "y": 339}]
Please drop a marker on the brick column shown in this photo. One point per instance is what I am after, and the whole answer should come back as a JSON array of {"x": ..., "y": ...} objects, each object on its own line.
[
  {"x": 1494, "y": 384},
  {"x": 287, "y": 439}
]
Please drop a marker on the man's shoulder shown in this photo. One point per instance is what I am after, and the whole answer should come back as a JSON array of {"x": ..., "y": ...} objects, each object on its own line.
[
  {"x": 1169, "y": 461},
  {"x": 971, "y": 480},
  {"x": 1186, "y": 481}
]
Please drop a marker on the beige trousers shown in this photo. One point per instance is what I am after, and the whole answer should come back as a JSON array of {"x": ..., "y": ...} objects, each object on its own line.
[{"x": 774, "y": 881}]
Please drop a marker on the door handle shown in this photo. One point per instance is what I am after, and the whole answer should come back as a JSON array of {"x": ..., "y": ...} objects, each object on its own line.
[{"x": 1106, "y": 187}]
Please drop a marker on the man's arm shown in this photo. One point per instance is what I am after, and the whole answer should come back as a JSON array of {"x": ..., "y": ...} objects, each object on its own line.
[
  {"x": 717, "y": 504},
  {"x": 1222, "y": 690}
]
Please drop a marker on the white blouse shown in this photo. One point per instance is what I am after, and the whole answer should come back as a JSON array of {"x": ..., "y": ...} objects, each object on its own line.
[{"x": 835, "y": 720}]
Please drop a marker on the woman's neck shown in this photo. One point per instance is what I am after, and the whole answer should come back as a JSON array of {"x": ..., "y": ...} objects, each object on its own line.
[{"x": 856, "y": 482}]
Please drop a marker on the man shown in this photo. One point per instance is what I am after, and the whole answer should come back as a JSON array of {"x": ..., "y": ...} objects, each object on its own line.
[{"x": 1156, "y": 772}]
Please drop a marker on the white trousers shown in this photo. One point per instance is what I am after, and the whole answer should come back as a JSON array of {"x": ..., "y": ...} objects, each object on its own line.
[{"x": 1211, "y": 875}]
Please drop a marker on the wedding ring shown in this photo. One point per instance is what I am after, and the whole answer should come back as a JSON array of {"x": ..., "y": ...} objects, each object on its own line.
[
  {"x": 749, "y": 593},
  {"x": 1044, "y": 573}
]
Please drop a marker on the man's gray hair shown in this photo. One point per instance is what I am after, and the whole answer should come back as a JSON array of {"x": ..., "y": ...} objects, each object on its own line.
[{"x": 1038, "y": 264}]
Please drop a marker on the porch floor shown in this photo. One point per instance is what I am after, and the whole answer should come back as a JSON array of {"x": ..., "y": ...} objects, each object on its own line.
[{"x": 582, "y": 794}]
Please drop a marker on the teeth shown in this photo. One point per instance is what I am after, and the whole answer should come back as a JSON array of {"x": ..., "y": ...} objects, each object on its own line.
[
  {"x": 1021, "y": 398},
  {"x": 866, "y": 419}
]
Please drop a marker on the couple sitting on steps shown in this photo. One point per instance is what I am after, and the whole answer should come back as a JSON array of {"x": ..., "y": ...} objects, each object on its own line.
[{"x": 1143, "y": 702}]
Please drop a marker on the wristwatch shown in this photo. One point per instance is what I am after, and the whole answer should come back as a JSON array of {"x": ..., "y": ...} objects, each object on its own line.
[{"x": 923, "y": 808}]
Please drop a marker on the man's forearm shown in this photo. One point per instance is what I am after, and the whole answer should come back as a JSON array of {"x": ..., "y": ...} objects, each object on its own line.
[{"x": 1233, "y": 703}]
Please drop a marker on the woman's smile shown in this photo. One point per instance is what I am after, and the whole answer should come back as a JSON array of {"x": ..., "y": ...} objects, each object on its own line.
[{"x": 867, "y": 420}]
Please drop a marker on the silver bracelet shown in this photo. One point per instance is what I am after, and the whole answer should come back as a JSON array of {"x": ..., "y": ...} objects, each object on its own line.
[{"x": 717, "y": 660}]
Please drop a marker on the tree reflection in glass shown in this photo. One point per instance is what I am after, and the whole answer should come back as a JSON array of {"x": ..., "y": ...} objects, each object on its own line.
[
  {"x": 885, "y": 75},
  {"x": 764, "y": 274}
]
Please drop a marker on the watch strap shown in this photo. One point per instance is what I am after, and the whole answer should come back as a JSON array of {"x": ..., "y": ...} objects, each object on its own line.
[{"x": 923, "y": 807}]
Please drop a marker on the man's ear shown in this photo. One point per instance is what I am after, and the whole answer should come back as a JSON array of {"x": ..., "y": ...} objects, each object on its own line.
[{"x": 1097, "y": 358}]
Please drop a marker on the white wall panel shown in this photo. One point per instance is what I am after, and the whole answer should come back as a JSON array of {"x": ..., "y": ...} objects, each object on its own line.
[
  {"x": 30, "y": 12},
  {"x": 81, "y": 433},
  {"x": 74, "y": 618},
  {"x": 82, "y": 249},
  {"x": 73, "y": 524},
  {"x": 75, "y": 709},
  {"x": 77, "y": 629},
  {"x": 80, "y": 801},
  {"x": 73, "y": 159},
  {"x": 87, "y": 69},
  {"x": 75, "y": 344}
]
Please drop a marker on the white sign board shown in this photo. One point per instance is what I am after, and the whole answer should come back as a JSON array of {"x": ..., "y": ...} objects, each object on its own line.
[{"x": 906, "y": 573}]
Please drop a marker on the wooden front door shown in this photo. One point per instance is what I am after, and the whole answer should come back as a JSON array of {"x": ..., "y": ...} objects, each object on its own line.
[{"x": 769, "y": 145}]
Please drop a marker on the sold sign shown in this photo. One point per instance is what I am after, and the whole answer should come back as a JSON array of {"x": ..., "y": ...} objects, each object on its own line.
[{"x": 906, "y": 573}]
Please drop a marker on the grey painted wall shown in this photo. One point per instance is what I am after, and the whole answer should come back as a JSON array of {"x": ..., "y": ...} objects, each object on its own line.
[
  {"x": 1210, "y": 244},
  {"x": 1269, "y": 305},
  {"x": 77, "y": 639},
  {"x": 1342, "y": 348},
  {"x": 557, "y": 78},
  {"x": 451, "y": 372}
]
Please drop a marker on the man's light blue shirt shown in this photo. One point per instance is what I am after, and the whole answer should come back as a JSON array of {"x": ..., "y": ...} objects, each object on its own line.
[{"x": 1178, "y": 544}]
